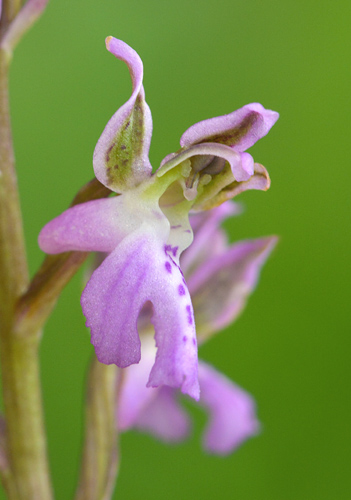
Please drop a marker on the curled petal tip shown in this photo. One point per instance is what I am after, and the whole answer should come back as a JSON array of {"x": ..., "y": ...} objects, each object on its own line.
[
  {"x": 107, "y": 41},
  {"x": 272, "y": 116},
  {"x": 261, "y": 179}
]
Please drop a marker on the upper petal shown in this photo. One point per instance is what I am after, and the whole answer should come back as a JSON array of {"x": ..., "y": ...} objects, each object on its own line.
[
  {"x": 240, "y": 129},
  {"x": 140, "y": 270},
  {"x": 222, "y": 284},
  {"x": 121, "y": 154},
  {"x": 96, "y": 225},
  {"x": 232, "y": 416}
]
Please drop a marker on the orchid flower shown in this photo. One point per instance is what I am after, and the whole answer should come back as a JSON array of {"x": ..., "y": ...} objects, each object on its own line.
[
  {"x": 145, "y": 228},
  {"x": 220, "y": 278}
]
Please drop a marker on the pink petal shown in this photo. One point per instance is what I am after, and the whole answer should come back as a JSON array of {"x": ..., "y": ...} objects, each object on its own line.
[
  {"x": 247, "y": 162},
  {"x": 232, "y": 415},
  {"x": 152, "y": 410},
  {"x": 121, "y": 154},
  {"x": 164, "y": 417},
  {"x": 240, "y": 129},
  {"x": 134, "y": 395},
  {"x": 221, "y": 285},
  {"x": 97, "y": 225},
  {"x": 140, "y": 270}
]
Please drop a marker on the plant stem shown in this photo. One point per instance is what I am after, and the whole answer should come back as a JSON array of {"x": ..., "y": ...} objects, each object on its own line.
[
  {"x": 23, "y": 412},
  {"x": 13, "y": 266},
  {"x": 100, "y": 455},
  {"x": 25, "y": 436}
]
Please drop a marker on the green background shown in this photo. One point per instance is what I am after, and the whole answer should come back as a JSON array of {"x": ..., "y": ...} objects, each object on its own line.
[{"x": 290, "y": 348}]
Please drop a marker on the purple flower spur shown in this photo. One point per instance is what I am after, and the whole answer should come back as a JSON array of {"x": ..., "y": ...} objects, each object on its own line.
[{"x": 145, "y": 228}]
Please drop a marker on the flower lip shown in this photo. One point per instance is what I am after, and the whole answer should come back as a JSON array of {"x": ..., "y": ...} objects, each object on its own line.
[{"x": 143, "y": 269}]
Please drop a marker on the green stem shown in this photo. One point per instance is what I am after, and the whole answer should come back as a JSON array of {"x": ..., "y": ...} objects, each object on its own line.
[
  {"x": 100, "y": 455},
  {"x": 13, "y": 266},
  {"x": 25, "y": 436},
  {"x": 23, "y": 411}
]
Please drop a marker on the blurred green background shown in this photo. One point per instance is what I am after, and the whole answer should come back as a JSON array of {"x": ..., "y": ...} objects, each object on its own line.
[{"x": 290, "y": 348}]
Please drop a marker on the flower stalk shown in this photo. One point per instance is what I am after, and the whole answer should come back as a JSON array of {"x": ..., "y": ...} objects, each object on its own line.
[
  {"x": 26, "y": 443},
  {"x": 13, "y": 266},
  {"x": 100, "y": 461}
]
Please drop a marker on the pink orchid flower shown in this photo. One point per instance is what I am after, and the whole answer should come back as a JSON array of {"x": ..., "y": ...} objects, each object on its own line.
[{"x": 146, "y": 227}]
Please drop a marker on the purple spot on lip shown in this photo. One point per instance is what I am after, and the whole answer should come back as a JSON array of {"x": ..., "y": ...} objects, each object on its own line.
[
  {"x": 167, "y": 248},
  {"x": 176, "y": 227},
  {"x": 190, "y": 317},
  {"x": 181, "y": 290},
  {"x": 185, "y": 338},
  {"x": 194, "y": 341},
  {"x": 168, "y": 267},
  {"x": 187, "y": 231}
]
